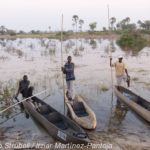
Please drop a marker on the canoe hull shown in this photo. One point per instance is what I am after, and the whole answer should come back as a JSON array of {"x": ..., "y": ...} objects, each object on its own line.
[
  {"x": 87, "y": 122},
  {"x": 144, "y": 113},
  {"x": 55, "y": 132}
]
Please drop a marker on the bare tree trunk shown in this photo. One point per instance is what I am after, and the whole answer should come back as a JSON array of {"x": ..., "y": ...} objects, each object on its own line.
[{"x": 76, "y": 38}]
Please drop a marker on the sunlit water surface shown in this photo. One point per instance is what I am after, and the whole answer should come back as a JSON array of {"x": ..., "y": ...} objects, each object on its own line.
[{"x": 40, "y": 60}]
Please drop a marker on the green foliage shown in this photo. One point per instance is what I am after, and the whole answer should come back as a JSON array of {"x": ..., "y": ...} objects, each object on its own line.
[
  {"x": 92, "y": 26},
  {"x": 144, "y": 25},
  {"x": 126, "y": 40},
  {"x": 132, "y": 41},
  {"x": 145, "y": 31},
  {"x": 11, "y": 32},
  {"x": 59, "y": 33}
]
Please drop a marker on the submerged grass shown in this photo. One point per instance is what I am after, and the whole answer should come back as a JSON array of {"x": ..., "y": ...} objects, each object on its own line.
[
  {"x": 141, "y": 70},
  {"x": 104, "y": 88},
  {"x": 135, "y": 78}
]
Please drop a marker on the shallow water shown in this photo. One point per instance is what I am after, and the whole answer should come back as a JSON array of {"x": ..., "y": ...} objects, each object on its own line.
[{"x": 40, "y": 60}]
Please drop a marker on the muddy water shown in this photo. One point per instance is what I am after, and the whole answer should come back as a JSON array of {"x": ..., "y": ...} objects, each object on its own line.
[{"x": 40, "y": 60}]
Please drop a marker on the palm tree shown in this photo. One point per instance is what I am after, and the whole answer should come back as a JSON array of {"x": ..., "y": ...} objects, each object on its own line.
[
  {"x": 73, "y": 25},
  {"x": 81, "y": 22},
  {"x": 127, "y": 20},
  {"x": 112, "y": 21},
  {"x": 140, "y": 23},
  {"x": 49, "y": 28},
  {"x": 3, "y": 29},
  {"x": 75, "y": 19}
]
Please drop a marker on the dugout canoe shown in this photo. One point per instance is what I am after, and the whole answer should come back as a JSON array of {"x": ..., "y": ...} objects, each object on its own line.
[
  {"x": 57, "y": 125},
  {"x": 134, "y": 101},
  {"x": 81, "y": 113}
]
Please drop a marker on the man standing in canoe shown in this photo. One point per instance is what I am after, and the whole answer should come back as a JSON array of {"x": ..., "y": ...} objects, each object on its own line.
[
  {"x": 68, "y": 69},
  {"x": 24, "y": 88},
  {"x": 121, "y": 69}
]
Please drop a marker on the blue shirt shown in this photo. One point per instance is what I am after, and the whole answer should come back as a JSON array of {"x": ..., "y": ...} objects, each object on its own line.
[{"x": 69, "y": 71}]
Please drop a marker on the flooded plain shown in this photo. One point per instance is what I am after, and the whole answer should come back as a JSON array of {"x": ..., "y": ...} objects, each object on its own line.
[{"x": 40, "y": 60}]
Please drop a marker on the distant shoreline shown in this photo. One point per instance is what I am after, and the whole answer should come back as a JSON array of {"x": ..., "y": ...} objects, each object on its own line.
[
  {"x": 65, "y": 36},
  {"x": 104, "y": 35}
]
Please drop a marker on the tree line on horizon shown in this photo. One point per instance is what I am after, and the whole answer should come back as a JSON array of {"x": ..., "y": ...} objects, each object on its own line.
[{"x": 78, "y": 23}]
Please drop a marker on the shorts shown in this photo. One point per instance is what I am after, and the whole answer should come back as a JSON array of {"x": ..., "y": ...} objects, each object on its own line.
[{"x": 120, "y": 78}]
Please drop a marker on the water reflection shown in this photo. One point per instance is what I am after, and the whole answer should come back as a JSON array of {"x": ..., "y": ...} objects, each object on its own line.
[
  {"x": 112, "y": 45},
  {"x": 93, "y": 43},
  {"x": 118, "y": 115}
]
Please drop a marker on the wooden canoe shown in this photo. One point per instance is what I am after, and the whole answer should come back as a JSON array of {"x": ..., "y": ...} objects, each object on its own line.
[
  {"x": 135, "y": 102},
  {"x": 58, "y": 126},
  {"x": 81, "y": 113}
]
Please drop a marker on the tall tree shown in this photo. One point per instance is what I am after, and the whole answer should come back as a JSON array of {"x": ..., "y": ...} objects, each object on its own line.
[
  {"x": 147, "y": 24},
  {"x": 112, "y": 22},
  {"x": 140, "y": 23},
  {"x": 75, "y": 19},
  {"x": 3, "y": 30},
  {"x": 73, "y": 25},
  {"x": 49, "y": 28},
  {"x": 92, "y": 26},
  {"x": 127, "y": 20},
  {"x": 81, "y": 22}
]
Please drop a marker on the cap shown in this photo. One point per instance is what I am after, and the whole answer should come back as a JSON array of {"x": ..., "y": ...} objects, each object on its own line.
[{"x": 120, "y": 56}]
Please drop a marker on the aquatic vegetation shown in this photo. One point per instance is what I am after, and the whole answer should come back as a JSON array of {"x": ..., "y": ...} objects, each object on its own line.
[
  {"x": 76, "y": 53},
  {"x": 31, "y": 46},
  {"x": 8, "y": 49},
  {"x": 20, "y": 42},
  {"x": 142, "y": 70},
  {"x": 135, "y": 79},
  {"x": 69, "y": 45},
  {"x": 107, "y": 49},
  {"x": 45, "y": 53},
  {"x": 104, "y": 88},
  {"x": 52, "y": 51},
  {"x": 42, "y": 41},
  {"x": 6, "y": 95},
  {"x": 81, "y": 48},
  {"x": 19, "y": 53},
  {"x": 80, "y": 66},
  {"x": 3, "y": 58}
]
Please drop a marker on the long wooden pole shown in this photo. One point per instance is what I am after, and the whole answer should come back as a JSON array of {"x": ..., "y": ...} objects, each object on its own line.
[
  {"x": 109, "y": 31},
  {"x": 62, "y": 60},
  {"x": 112, "y": 81},
  {"x": 22, "y": 101}
]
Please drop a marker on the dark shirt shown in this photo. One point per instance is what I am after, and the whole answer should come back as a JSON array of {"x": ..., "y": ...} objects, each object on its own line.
[
  {"x": 23, "y": 84},
  {"x": 69, "y": 71}
]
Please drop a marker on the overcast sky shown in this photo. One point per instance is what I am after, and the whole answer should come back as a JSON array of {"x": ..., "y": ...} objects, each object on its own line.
[{"x": 39, "y": 14}]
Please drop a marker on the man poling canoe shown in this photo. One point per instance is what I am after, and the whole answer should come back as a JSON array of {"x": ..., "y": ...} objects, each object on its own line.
[
  {"x": 68, "y": 69},
  {"x": 121, "y": 69}
]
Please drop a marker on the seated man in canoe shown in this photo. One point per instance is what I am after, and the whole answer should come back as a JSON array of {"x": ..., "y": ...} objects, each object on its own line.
[
  {"x": 68, "y": 69},
  {"x": 24, "y": 88},
  {"x": 121, "y": 69}
]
